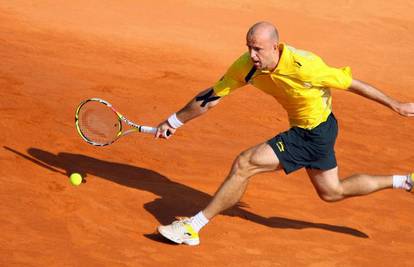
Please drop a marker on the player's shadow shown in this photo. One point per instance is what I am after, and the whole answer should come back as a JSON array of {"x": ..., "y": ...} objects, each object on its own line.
[{"x": 173, "y": 198}]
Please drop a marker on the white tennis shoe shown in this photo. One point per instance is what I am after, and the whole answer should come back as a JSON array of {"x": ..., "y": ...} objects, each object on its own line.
[{"x": 180, "y": 232}]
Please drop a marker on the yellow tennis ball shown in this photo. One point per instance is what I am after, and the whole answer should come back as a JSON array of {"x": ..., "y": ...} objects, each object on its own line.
[{"x": 75, "y": 179}]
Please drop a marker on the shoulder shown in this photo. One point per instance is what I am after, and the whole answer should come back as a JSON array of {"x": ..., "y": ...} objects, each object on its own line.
[
  {"x": 303, "y": 56},
  {"x": 241, "y": 66},
  {"x": 243, "y": 62},
  {"x": 306, "y": 64}
]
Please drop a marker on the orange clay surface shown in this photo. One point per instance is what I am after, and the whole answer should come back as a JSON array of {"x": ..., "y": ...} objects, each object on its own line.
[{"x": 149, "y": 58}]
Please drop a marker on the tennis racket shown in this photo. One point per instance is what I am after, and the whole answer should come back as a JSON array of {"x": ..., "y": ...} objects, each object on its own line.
[{"x": 100, "y": 124}]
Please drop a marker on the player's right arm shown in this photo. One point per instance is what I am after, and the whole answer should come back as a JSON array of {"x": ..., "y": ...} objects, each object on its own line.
[
  {"x": 199, "y": 105},
  {"x": 206, "y": 99}
]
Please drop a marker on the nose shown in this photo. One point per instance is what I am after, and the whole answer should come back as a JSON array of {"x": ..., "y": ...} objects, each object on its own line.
[{"x": 253, "y": 55}]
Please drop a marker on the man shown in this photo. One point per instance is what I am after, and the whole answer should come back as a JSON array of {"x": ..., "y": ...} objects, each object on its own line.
[{"x": 300, "y": 81}]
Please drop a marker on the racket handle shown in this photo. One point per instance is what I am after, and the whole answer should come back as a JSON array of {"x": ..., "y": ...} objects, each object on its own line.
[
  {"x": 152, "y": 130},
  {"x": 147, "y": 129}
]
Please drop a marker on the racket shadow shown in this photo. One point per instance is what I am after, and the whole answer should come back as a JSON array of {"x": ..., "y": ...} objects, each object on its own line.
[{"x": 174, "y": 199}]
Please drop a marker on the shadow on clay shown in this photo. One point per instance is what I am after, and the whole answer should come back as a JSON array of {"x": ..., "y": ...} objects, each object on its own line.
[{"x": 173, "y": 198}]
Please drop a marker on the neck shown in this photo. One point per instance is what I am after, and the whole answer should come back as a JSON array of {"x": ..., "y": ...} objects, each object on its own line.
[{"x": 274, "y": 66}]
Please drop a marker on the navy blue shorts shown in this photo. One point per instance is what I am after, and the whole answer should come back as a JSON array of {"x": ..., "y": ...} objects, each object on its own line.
[{"x": 312, "y": 149}]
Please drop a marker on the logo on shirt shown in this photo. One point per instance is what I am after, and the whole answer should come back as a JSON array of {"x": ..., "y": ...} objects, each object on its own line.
[
  {"x": 307, "y": 85},
  {"x": 298, "y": 64}
]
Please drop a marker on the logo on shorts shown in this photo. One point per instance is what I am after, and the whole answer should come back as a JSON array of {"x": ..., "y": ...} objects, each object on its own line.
[{"x": 280, "y": 146}]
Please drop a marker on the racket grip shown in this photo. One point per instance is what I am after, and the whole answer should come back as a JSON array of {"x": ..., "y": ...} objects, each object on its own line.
[
  {"x": 152, "y": 130},
  {"x": 147, "y": 129}
]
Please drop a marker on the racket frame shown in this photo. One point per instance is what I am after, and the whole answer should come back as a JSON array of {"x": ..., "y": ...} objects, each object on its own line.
[{"x": 121, "y": 118}]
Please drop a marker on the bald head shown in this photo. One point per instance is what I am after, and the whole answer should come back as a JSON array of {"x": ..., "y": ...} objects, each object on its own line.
[
  {"x": 263, "y": 30},
  {"x": 262, "y": 40}
]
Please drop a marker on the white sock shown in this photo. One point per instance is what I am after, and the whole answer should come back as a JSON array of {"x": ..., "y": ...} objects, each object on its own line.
[
  {"x": 198, "y": 221},
  {"x": 400, "y": 182}
]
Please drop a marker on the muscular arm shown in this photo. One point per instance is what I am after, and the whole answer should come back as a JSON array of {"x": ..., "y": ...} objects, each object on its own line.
[
  {"x": 370, "y": 92},
  {"x": 200, "y": 104}
]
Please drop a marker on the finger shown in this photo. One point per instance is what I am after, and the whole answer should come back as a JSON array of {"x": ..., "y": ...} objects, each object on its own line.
[
  {"x": 166, "y": 134},
  {"x": 158, "y": 133}
]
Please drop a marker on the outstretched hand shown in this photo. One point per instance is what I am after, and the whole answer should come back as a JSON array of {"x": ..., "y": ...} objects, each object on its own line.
[
  {"x": 164, "y": 130},
  {"x": 406, "y": 109}
]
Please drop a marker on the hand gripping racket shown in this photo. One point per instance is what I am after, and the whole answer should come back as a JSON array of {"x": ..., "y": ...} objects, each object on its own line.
[{"x": 100, "y": 124}]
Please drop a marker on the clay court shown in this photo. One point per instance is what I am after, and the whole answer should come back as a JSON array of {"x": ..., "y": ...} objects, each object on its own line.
[{"x": 148, "y": 59}]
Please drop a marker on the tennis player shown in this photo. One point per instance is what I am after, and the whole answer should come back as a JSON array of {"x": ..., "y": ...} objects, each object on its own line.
[{"x": 300, "y": 81}]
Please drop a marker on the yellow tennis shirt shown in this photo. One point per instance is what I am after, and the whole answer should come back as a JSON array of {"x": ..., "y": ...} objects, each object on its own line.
[{"x": 301, "y": 83}]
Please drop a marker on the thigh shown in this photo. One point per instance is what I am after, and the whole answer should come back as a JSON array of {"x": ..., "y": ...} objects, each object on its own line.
[
  {"x": 326, "y": 182},
  {"x": 261, "y": 158}
]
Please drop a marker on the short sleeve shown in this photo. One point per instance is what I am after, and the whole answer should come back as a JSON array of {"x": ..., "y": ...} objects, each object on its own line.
[
  {"x": 338, "y": 78},
  {"x": 234, "y": 77},
  {"x": 326, "y": 76}
]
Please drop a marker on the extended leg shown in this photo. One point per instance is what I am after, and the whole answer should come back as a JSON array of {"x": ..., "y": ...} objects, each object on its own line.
[{"x": 331, "y": 188}]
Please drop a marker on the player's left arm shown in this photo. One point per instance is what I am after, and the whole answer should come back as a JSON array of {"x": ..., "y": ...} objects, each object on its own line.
[{"x": 373, "y": 93}]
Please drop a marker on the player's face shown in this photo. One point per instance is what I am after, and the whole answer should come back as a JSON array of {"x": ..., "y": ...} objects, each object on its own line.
[{"x": 263, "y": 52}]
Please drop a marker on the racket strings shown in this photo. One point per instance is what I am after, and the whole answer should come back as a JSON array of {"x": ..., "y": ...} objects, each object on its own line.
[{"x": 98, "y": 123}]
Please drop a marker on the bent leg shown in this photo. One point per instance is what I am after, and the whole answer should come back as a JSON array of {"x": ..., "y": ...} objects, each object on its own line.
[
  {"x": 260, "y": 158},
  {"x": 330, "y": 188}
]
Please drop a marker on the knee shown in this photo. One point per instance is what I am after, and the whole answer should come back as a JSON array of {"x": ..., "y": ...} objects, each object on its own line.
[
  {"x": 332, "y": 195},
  {"x": 243, "y": 166}
]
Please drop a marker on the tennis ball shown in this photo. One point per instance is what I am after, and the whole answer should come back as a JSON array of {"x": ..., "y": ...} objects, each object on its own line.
[{"x": 75, "y": 179}]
